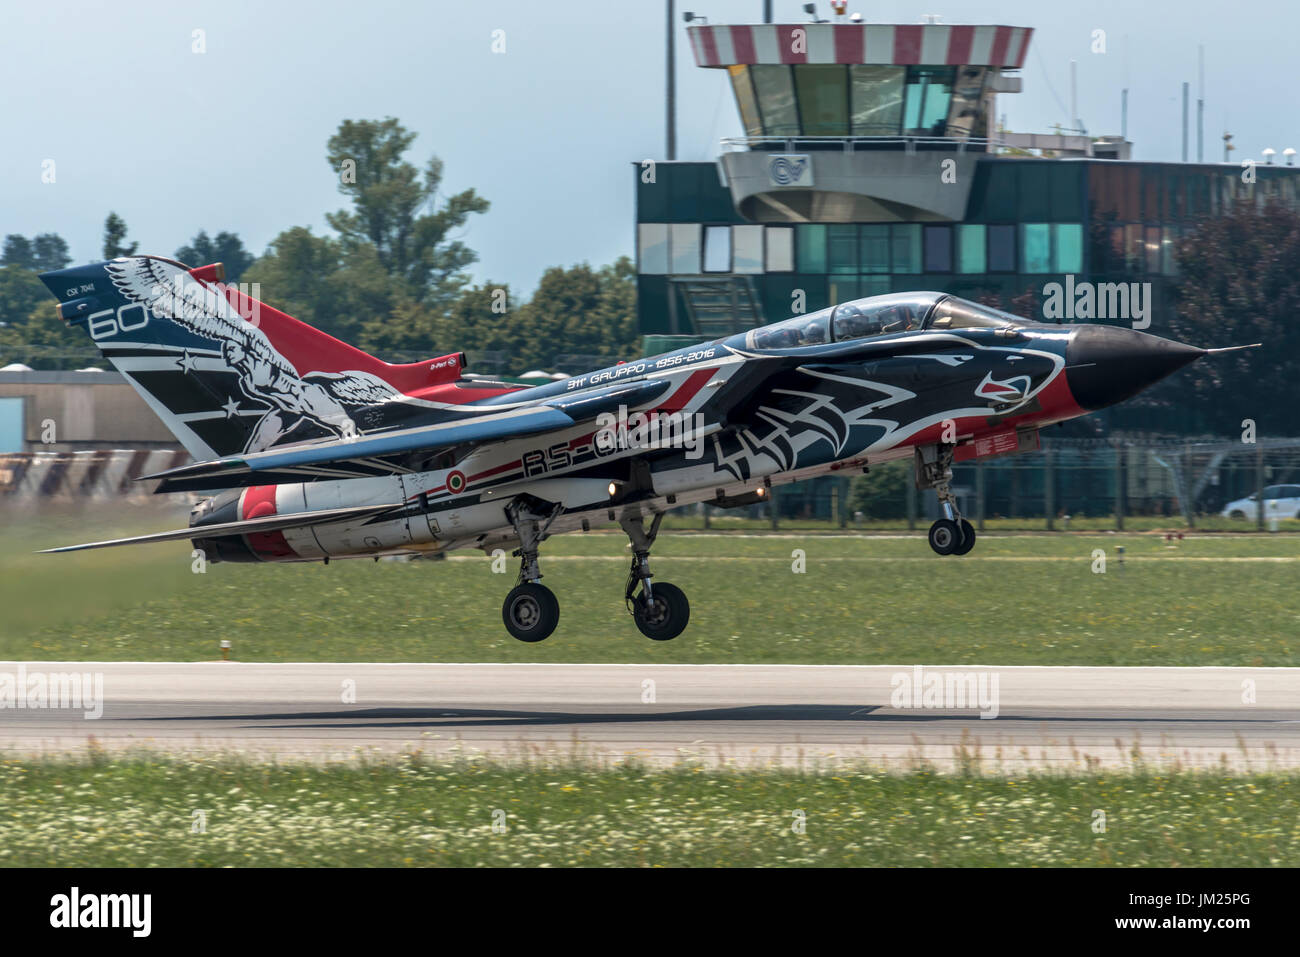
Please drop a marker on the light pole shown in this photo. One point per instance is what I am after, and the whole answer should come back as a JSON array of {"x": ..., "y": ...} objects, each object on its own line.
[{"x": 672, "y": 88}]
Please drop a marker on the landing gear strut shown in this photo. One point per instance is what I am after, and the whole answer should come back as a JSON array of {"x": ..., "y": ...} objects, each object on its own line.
[
  {"x": 952, "y": 534},
  {"x": 531, "y": 611},
  {"x": 660, "y": 610}
]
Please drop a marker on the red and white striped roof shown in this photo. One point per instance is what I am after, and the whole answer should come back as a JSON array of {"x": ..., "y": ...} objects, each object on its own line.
[{"x": 921, "y": 44}]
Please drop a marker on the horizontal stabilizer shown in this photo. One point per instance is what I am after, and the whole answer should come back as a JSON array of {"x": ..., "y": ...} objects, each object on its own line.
[
  {"x": 269, "y": 523},
  {"x": 401, "y": 451}
]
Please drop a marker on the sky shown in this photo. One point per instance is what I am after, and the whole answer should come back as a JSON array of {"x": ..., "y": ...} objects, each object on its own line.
[{"x": 234, "y": 138}]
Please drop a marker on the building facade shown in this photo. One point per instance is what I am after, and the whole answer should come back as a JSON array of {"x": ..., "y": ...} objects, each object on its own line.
[{"x": 76, "y": 411}]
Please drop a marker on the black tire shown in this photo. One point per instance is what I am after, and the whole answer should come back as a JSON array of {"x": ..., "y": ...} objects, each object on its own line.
[
  {"x": 967, "y": 538},
  {"x": 666, "y": 616},
  {"x": 1237, "y": 514},
  {"x": 945, "y": 536},
  {"x": 530, "y": 612}
]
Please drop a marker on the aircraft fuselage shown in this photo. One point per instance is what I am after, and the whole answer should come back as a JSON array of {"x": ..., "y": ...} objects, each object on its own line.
[{"x": 755, "y": 419}]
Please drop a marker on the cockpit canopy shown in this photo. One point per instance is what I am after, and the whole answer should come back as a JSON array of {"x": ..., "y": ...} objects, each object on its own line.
[{"x": 879, "y": 316}]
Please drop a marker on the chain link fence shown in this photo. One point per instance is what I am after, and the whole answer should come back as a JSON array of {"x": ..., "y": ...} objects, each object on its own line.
[{"x": 1069, "y": 484}]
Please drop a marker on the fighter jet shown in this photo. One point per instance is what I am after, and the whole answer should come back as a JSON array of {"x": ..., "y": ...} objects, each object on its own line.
[{"x": 307, "y": 449}]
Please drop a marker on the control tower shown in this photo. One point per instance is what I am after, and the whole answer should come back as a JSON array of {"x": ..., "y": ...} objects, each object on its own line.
[{"x": 854, "y": 122}]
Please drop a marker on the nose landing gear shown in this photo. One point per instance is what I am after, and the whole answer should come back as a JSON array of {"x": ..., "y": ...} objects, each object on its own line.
[
  {"x": 952, "y": 534},
  {"x": 660, "y": 610},
  {"x": 949, "y": 537}
]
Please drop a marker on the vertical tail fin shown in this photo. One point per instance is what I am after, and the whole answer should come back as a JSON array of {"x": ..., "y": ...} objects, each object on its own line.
[{"x": 226, "y": 373}]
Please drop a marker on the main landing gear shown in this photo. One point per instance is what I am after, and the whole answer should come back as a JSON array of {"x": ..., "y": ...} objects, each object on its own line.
[
  {"x": 952, "y": 534},
  {"x": 660, "y": 610},
  {"x": 531, "y": 611}
]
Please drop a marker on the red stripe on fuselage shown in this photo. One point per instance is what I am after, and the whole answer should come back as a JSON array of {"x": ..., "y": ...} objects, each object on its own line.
[
  {"x": 491, "y": 472},
  {"x": 687, "y": 391},
  {"x": 674, "y": 403}
]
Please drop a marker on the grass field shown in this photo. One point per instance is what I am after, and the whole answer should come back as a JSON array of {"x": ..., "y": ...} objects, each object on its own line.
[
  {"x": 1018, "y": 599},
  {"x": 139, "y": 811}
]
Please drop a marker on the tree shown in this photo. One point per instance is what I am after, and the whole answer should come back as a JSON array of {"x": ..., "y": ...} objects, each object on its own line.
[
  {"x": 1239, "y": 284},
  {"x": 226, "y": 248},
  {"x": 293, "y": 274},
  {"x": 882, "y": 492},
  {"x": 323, "y": 283},
  {"x": 115, "y": 238},
  {"x": 387, "y": 194},
  {"x": 51, "y": 252},
  {"x": 390, "y": 278},
  {"x": 18, "y": 251},
  {"x": 616, "y": 312},
  {"x": 20, "y": 292},
  {"x": 30, "y": 331},
  {"x": 42, "y": 253},
  {"x": 557, "y": 318},
  {"x": 407, "y": 333},
  {"x": 394, "y": 283},
  {"x": 483, "y": 320},
  {"x": 478, "y": 322},
  {"x": 579, "y": 311}
]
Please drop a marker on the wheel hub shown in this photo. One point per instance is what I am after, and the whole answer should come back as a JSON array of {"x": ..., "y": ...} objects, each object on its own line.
[
  {"x": 525, "y": 611},
  {"x": 656, "y": 611}
]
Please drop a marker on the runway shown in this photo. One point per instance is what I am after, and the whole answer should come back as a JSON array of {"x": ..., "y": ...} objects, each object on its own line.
[{"x": 792, "y": 715}]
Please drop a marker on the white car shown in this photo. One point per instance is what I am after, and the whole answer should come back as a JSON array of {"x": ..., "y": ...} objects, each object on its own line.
[{"x": 1280, "y": 501}]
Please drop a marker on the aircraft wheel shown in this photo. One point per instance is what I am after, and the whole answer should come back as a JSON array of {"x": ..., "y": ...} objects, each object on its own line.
[
  {"x": 666, "y": 616},
  {"x": 945, "y": 536},
  {"x": 1238, "y": 514},
  {"x": 530, "y": 612},
  {"x": 967, "y": 538}
]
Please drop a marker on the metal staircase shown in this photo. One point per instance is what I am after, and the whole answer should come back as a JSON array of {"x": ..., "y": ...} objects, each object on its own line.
[{"x": 720, "y": 305}]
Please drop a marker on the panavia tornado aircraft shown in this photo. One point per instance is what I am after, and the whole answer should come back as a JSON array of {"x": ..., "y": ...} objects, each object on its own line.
[{"x": 310, "y": 449}]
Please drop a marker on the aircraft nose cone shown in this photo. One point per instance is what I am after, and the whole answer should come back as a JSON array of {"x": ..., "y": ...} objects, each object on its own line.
[{"x": 1108, "y": 364}]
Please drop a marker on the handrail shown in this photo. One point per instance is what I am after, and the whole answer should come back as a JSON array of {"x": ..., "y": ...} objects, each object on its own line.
[{"x": 849, "y": 143}]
